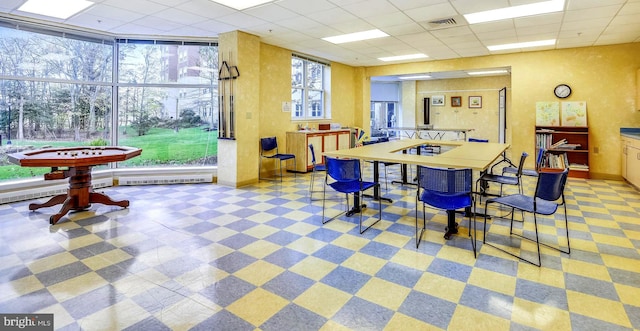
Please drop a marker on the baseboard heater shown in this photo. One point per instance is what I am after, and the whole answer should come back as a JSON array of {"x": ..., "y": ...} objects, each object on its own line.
[
  {"x": 165, "y": 179},
  {"x": 38, "y": 192}
]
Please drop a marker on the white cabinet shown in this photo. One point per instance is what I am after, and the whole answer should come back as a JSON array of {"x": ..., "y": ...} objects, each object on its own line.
[
  {"x": 323, "y": 141},
  {"x": 631, "y": 160},
  {"x": 633, "y": 165}
]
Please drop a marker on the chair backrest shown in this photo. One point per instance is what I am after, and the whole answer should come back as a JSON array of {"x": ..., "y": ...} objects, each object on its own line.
[
  {"x": 449, "y": 181},
  {"x": 540, "y": 158},
  {"x": 550, "y": 185},
  {"x": 477, "y": 140},
  {"x": 343, "y": 170},
  {"x": 313, "y": 155},
  {"x": 523, "y": 157},
  {"x": 268, "y": 144}
]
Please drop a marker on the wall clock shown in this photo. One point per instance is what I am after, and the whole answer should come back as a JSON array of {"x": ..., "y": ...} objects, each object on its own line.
[{"x": 562, "y": 91}]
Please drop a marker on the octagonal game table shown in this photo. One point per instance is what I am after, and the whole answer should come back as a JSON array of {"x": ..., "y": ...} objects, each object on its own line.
[{"x": 78, "y": 161}]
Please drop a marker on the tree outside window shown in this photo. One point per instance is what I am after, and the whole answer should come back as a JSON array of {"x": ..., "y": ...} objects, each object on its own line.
[{"x": 308, "y": 86}]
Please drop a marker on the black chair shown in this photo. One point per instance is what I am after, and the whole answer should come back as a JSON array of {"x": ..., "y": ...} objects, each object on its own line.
[
  {"x": 486, "y": 178},
  {"x": 527, "y": 172},
  {"x": 549, "y": 189},
  {"x": 344, "y": 176},
  {"x": 269, "y": 150},
  {"x": 447, "y": 189},
  {"x": 316, "y": 167}
]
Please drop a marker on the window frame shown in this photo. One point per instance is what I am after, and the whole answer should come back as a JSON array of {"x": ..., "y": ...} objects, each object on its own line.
[{"x": 309, "y": 110}]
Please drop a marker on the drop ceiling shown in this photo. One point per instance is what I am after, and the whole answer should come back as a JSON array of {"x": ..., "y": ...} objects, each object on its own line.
[{"x": 299, "y": 25}]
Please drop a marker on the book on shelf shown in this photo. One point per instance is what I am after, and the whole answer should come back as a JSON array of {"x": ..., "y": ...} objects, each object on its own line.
[
  {"x": 569, "y": 146},
  {"x": 577, "y": 166},
  {"x": 556, "y": 161},
  {"x": 558, "y": 143}
]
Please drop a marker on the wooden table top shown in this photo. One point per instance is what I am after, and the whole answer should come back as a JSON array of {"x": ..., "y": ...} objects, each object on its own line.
[
  {"x": 73, "y": 156},
  {"x": 474, "y": 155}
]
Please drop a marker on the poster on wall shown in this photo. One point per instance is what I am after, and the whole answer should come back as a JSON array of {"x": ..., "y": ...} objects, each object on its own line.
[
  {"x": 547, "y": 113},
  {"x": 574, "y": 113}
]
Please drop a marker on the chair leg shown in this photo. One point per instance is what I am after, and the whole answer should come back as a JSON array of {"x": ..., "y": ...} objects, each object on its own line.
[
  {"x": 377, "y": 186},
  {"x": 324, "y": 199},
  {"x": 313, "y": 178},
  {"x": 473, "y": 238},
  {"x": 535, "y": 222},
  {"x": 566, "y": 224}
]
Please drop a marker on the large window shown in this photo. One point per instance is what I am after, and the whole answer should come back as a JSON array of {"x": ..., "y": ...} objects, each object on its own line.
[
  {"x": 166, "y": 94},
  {"x": 309, "y": 85},
  {"x": 61, "y": 88}
]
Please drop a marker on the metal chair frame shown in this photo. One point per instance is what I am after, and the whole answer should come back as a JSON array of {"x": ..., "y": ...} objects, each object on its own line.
[
  {"x": 316, "y": 167},
  {"x": 345, "y": 176},
  {"x": 447, "y": 189},
  {"x": 485, "y": 178},
  {"x": 549, "y": 189},
  {"x": 269, "y": 150}
]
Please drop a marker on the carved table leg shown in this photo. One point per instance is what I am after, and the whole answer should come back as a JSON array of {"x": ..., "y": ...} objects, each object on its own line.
[
  {"x": 66, "y": 207},
  {"x": 105, "y": 200},
  {"x": 56, "y": 200}
]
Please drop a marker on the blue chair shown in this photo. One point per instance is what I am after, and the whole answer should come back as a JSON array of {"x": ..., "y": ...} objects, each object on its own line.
[
  {"x": 344, "y": 176},
  {"x": 501, "y": 179},
  {"x": 549, "y": 189},
  {"x": 528, "y": 172},
  {"x": 269, "y": 150},
  {"x": 447, "y": 189},
  {"x": 316, "y": 167},
  {"x": 478, "y": 140}
]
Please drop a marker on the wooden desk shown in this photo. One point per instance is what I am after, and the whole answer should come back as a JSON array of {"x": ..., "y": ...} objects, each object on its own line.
[
  {"x": 477, "y": 156},
  {"x": 474, "y": 155},
  {"x": 79, "y": 161}
]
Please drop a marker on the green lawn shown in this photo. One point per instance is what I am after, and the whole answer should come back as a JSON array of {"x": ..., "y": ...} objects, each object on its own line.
[{"x": 160, "y": 147}]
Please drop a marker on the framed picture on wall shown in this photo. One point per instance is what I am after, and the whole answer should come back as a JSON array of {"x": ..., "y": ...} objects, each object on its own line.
[
  {"x": 437, "y": 100},
  {"x": 475, "y": 102},
  {"x": 456, "y": 101}
]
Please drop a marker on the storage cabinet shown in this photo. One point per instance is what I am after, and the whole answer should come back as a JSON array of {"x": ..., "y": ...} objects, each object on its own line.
[
  {"x": 576, "y": 146},
  {"x": 323, "y": 141},
  {"x": 631, "y": 160}
]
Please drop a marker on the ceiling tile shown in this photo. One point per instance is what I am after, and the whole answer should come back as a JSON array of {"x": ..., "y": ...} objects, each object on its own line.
[{"x": 299, "y": 24}]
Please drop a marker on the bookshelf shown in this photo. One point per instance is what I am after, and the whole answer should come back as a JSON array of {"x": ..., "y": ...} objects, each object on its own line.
[{"x": 566, "y": 145}]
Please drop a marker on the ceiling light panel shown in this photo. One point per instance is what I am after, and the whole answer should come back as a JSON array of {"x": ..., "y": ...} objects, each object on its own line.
[
  {"x": 357, "y": 36},
  {"x": 416, "y": 77},
  {"x": 538, "y": 8},
  {"x": 403, "y": 57},
  {"x": 528, "y": 44},
  {"x": 241, "y": 4},
  {"x": 62, "y": 9}
]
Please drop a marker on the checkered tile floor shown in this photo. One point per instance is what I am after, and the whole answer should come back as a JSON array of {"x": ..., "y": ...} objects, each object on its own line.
[{"x": 207, "y": 257}]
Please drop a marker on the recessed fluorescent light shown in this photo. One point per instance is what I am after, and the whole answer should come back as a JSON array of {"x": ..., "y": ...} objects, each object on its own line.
[
  {"x": 522, "y": 45},
  {"x": 357, "y": 36},
  {"x": 59, "y": 9},
  {"x": 415, "y": 77},
  {"x": 488, "y": 72},
  {"x": 241, "y": 4},
  {"x": 403, "y": 57},
  {"x": 538, "y": 8}
]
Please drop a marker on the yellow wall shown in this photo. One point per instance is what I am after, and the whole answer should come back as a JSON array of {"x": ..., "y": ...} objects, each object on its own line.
[
  {"x": 275, "y": 88},
  {"x": 483, "y": 120},
  {"x": 602, "y": 76}
]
